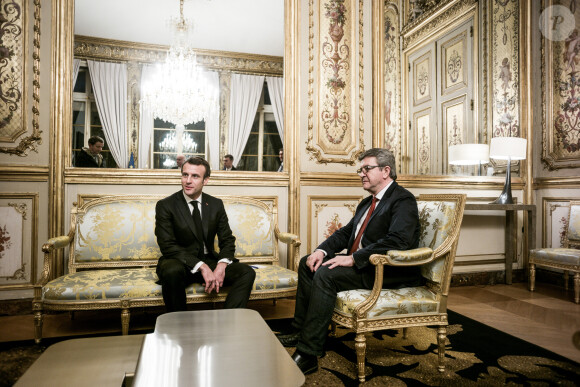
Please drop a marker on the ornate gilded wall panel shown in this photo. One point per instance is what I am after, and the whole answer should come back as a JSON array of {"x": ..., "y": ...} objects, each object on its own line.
[
  {"x": 18, "y": 240},
  {"x": 560, "y": 87},
  {"x": 424, "y": 143},
  {"x": 392, "y": 83},
  {"x": 326, "y": 214},
  {"x": 333, "y": 129},
  {"x": 504, "y": 68},
  {"x": 554, "y": 221},
  {"x": 16, "y": 81}
]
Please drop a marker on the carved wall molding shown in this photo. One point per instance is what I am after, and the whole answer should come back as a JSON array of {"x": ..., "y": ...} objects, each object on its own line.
[
  {"x": 87, "y": 47},
  {"x": 31, "y": 141},
  {"x": 334, "y": 100}
]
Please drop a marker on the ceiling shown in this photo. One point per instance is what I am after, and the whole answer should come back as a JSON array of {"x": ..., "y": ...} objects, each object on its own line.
[{"x": 249, "y": 26}]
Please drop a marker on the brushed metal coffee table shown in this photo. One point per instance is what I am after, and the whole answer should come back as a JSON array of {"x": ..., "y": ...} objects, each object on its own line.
[{"x": 230, "y": 347}]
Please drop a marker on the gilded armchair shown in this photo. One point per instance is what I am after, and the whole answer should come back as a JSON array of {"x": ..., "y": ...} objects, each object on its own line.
[
  {"x": 365, "y": 310},
  {"x": 565, "y": 258}
]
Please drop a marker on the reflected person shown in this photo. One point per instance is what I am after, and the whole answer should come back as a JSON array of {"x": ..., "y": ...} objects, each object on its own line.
[
  {"x": 229, "y": 163},
  {"x": 91, "y": 156}
]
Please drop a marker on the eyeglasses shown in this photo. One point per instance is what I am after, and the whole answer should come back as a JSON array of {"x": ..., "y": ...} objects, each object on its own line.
[{"x": 366, "y": 169}]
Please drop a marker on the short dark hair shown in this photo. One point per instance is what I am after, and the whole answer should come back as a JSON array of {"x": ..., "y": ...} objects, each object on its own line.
[
  {"x": 384, "y": 157},
  {"x": 196, "y": 160},
  {"x": 229, "y": 157},
  {"x": 95, "y": 139}
]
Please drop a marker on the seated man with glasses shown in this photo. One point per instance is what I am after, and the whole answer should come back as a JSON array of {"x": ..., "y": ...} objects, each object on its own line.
[{"x": 386, "y": 220}]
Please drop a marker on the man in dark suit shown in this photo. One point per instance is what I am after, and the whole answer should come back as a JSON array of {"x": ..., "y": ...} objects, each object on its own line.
[
  {"x": 186, "y": 225},
  {"x": 91, "y": 156},
  {"x": 386, "y": 220},
  {"x": 229, "y": 163}
]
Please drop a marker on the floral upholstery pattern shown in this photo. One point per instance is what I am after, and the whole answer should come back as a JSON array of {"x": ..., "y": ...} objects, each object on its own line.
[
  {"x": 390, "y": 302},
  {"x": 252, "y": 226},
  {"x": 117, "y": 231},
  {"x": 141, "y": 283}
]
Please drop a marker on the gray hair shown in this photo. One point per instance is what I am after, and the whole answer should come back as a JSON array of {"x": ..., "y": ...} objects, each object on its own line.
[{"x": 385, "y": 158}]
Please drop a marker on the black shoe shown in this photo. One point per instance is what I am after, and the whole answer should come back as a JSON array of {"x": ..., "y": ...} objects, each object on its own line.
[
  {"x": 289, "y": 340},
  {"x": 307, "y": 363}
]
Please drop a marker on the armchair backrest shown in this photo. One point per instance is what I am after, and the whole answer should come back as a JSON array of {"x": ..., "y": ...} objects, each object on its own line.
[
  {"x": 440, "y": 216},
  {"x": 573, "y": 232}
]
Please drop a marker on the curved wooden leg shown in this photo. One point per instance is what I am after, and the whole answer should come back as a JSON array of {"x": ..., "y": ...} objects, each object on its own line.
[
  {"x": 332, "y": 329},
  {"x": 532, "y": 279},
  {"x": 566, "y": 279},
  {"x": 577, "y": 288},
  {"x": 441, "y": 336},
  {"x": 361, "y": 348},
  {"x": 405, "y": 333},
  {"x": 125, "y": 317}
]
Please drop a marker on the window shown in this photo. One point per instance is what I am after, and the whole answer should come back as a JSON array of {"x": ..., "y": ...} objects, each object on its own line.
[
  {"x": 86, "y": 120},
  {"x": 264, "y": 142},
  {"x": 167, "y": 143}
]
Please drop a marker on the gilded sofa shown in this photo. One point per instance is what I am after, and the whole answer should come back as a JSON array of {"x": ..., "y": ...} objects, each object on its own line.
[
  {"x": 565, "y": 258},
  {"x": 113, "y": 253},
  {"x": 366, "y": 311}
]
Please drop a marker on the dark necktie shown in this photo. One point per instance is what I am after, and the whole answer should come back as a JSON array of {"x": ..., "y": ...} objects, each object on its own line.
[
  {"x": 197, "y": 219},
  {"x": 354, "y": 246}
]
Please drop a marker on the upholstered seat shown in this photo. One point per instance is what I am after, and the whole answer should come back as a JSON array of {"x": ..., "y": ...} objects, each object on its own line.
[
  {"x": 369, "y": 310},
  {"x": 565, "y": 258}
]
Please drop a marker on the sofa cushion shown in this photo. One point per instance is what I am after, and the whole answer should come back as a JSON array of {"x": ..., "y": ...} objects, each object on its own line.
[
  {"x": 390, "y": 302},
  {"x": 141, "y": 283}
]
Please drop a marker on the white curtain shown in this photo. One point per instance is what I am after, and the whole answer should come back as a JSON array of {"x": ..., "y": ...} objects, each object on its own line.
[
  {"x": 109, "y": 82},
  {"x": 76, "y": 67},
  {"x": 244, "y": 100},
  {"x": 145, "y": 123},
  {"x": 212, "y": 124},
  {"x": 276, "y": 91}
]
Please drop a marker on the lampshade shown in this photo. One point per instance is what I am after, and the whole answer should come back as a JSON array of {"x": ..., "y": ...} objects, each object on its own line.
[
  {"x": 468, "y": 154},
  {"x": 504, "y": 148}
]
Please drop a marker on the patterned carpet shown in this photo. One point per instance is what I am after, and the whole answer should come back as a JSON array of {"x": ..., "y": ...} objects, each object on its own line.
[{"x": 476, "y": 355}]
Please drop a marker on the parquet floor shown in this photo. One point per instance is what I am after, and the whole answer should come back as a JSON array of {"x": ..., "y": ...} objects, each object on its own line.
[{"x": 547, "y": 317}]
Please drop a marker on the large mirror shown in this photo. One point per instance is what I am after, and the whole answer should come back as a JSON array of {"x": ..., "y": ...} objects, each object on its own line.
[{"x": 232, "y": 38}]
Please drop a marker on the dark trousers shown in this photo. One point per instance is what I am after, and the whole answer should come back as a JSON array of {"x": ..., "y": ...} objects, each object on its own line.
[
  {"x": 175, "y": 276},
  {"x": 315, "y": 300}
]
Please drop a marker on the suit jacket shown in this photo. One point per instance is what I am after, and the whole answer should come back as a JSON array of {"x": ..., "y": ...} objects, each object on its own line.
[
  {"x": 176, "y": 235},
  {"x": 233, "y": 168},
  {"x": 85, "y": 160},
  {"x": 394, "y": 225}
]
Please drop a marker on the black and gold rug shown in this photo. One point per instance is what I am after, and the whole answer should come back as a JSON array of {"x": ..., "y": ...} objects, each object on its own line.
[{"x": 476, "y": 355}]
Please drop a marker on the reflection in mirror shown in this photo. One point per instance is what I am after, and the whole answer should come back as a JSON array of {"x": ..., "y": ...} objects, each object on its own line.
[{"x": 127, "y": 48}]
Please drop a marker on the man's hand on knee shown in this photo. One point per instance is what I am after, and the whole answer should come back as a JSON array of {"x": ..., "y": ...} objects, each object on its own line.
[
  {"x": 219, "y": 274},
  {"x": 314, "y": 260},
  {"x": 208, "y": 277},
  {"x": 340, "y": 260}
]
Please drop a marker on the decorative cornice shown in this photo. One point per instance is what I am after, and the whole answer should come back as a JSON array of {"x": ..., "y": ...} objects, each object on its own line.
[
  {"x": 431, "y": 21},
  {"x": 23, "y": 173},
  {"x": 87, "y": 47}
]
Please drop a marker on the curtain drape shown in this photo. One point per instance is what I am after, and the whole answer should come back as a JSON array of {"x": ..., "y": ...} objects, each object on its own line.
[
  {"x": 109, "y": 82},
  {"x": 145, "y": 124},
  {"x": 244, "y": 100},
  {"x": 276, "y": 91},
  {"x": 212, "y": 124},
  {"x": 76, "y": 67}
]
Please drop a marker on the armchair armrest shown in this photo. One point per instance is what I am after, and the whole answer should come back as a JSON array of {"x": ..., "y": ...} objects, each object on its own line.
[
  {"x": 293, "y": 241},
  {"x": 48, "y": 248},
  {"x": 56, "y": 243},
  {"x": 411, "y": 257}
]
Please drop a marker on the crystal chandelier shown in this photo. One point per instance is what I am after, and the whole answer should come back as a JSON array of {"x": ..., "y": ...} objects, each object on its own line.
[{"x": 178, "y": 92}]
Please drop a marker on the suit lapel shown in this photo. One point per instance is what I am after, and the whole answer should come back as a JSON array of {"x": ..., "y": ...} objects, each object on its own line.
[
  {"x": 385, "y": 201},
  {"x": 183, "y": 208}
]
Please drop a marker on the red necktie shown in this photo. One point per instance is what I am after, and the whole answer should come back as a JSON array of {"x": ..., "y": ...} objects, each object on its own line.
[{"x": 363, "y": 227}]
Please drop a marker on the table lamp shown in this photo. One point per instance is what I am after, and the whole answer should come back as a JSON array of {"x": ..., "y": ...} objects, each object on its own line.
[
  {"x": 507, "y": 148},
  {"x": 469, "y": 154}
]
